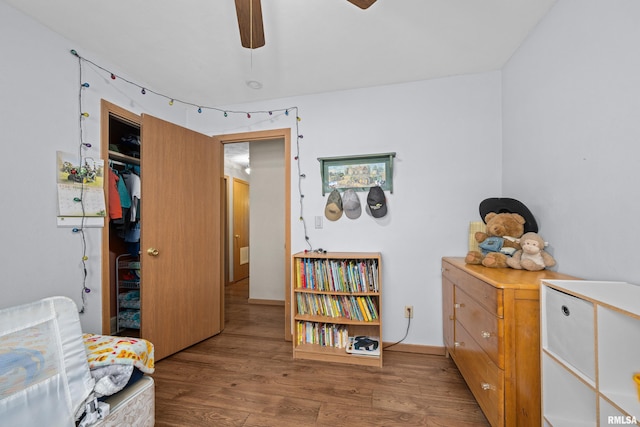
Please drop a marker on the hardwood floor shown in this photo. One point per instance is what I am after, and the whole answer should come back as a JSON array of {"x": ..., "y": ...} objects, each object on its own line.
[{"x": 246, "y": 377}]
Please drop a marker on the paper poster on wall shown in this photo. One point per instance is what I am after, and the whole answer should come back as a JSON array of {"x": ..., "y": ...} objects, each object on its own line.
[{"x": 80, "y": 187}]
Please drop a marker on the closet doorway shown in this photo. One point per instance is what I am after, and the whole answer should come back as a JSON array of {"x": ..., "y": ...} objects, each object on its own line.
[{"x": 259, "y": 140}]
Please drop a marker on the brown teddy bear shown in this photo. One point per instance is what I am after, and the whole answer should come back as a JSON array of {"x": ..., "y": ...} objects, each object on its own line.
[
  {"x": 499, "y": 242},
  {"x": 532, "y": 256}
]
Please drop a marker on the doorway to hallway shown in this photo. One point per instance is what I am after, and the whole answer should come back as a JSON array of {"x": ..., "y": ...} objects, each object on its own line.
[{"x": 263, "y": 189}]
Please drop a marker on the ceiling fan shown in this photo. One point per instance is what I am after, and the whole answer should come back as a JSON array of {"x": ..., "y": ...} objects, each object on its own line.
[{"x": 250, "y": 21}]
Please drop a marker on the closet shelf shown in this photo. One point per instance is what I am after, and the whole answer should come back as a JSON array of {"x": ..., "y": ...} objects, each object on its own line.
[{"x": 114, "y": 155}]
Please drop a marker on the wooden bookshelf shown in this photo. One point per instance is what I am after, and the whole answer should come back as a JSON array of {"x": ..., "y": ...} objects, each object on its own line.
[{"x": 335, "y": 296}]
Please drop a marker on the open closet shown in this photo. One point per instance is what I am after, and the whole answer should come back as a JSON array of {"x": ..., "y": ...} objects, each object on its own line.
[
  {"x": 124, "y": 226},
  {"x": 176, "y": 263}
]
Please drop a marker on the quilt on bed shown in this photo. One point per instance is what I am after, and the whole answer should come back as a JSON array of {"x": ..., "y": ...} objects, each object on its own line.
[{"x": 112, "y": 360}]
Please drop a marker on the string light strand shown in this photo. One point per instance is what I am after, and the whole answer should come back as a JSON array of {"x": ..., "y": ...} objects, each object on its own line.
[
  {"x": 200, "y": 108},
  {"x": 172, "y": 100},
  {"x": 82, "y": 145},
  {"x": 301, "y": 176}
]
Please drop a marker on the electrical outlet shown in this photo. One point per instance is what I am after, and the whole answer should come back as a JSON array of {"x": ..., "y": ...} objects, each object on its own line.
[{"x": 408, "y": 311}]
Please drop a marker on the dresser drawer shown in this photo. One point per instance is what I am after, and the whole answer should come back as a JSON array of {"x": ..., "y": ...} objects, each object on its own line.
[
  {"x": 484, "y": 378},
  {"x": 484, "y": 327},
  {"x": 569, "y": 331},
  {"x": 487, "y": 295}
]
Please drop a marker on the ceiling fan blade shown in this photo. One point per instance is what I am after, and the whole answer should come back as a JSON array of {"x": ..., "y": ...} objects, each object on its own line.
[
  {"x": 362, "y": 4},
  {"x": 250, "y": 23}
]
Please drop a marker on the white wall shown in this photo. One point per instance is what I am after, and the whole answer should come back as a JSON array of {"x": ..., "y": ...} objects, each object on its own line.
[
  {"x": 267, "y": 221},
  {"x": 446, "y": 133},
  {"x": 39, "y": 115},
  {"x": 571, "y": 129}
]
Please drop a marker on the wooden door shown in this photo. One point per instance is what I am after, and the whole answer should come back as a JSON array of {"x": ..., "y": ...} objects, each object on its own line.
[
  {"x": 181, "y": 175},
  {"x": 240, "y": 229}
]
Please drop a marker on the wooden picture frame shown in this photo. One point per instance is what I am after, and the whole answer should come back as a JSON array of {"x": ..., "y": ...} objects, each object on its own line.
[{"x": 360, "y": 172}]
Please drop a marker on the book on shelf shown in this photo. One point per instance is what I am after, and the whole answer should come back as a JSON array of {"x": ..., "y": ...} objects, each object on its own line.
[
  {"x": 363, "y": 345},
  {"x": 366, "y": 316},
  {"x": 360, "y": 308},
  {"x": 337, "y": 275},
  {"x": 323, "y": 334}
]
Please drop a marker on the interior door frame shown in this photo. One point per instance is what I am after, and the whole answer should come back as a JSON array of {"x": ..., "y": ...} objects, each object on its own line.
[
  {"x": 269, "y": 135},
  {"x": 224, "y": 191}
]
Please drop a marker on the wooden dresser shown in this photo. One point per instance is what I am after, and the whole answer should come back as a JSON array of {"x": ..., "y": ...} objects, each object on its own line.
[{"x": 491, "y": 321}]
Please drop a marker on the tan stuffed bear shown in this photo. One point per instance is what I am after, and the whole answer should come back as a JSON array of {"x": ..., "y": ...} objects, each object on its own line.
[
  {"x": 499, "y": 241},
  {"x": 532, "y": 256}
]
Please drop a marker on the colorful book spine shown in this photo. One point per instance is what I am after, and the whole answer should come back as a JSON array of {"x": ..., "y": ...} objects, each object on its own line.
[{"x": 323, "y": 334}]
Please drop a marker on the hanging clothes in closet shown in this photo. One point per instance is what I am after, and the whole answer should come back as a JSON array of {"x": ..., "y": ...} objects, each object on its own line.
[
  {"x": 131, "y": 179},
  {"x": 119, "y": 196},
  {"x": 115, "y": 206},
  {"x": 125, "y": 194}
]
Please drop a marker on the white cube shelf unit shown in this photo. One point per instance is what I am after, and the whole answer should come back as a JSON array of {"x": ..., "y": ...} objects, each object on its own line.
[{"x": 590, "y": 338}]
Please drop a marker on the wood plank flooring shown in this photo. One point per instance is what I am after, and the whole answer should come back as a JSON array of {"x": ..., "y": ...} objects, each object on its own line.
[{"x": 246, "y": 377}]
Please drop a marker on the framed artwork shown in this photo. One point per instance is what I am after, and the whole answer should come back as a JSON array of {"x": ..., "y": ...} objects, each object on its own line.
[{"x": 359, "y": 172}]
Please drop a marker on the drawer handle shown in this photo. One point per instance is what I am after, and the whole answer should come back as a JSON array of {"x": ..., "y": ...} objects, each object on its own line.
[
  {"x": 487, "y": 386},
  {"x": 458, "y": 344},
  {"x": 565, "y": 310},
  {"x": 451, "y": 318},
  {"x": 486, "y": 335},
  {"x": 458, "y": 305}
]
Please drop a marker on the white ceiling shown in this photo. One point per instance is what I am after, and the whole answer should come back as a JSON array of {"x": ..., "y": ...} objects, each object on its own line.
[{"x": 190, "y": 49}]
